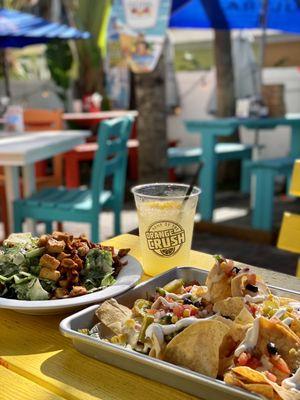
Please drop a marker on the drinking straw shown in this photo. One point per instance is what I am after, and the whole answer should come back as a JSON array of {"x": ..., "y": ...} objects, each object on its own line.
[{"x": 193, "y": 182}]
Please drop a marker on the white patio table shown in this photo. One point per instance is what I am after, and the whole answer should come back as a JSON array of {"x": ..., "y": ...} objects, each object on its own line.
[{"x": 23, "y": 150}]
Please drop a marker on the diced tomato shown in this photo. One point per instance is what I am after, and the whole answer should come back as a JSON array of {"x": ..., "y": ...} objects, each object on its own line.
[
  {"x": 271, "y": 376},
  {"x": 169, "y": 299},
  {"x": 152, "y": 312},
  {"x": 253, "y": 309},
  {"x": 178, "y": 311},
  {"x": 193, "y": 310},
  {"x": 254, "y": 363},
  {"x": 248, "y": 360},
  {"x": 280, "y": 364},
  {"x": 251, "y": 279},
  {"x": 243, "y": 358}
]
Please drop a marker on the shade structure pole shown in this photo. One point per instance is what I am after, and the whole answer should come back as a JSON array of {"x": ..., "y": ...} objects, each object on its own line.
[
  {"x": 262, "y": 49},
  {"x": 5, "y": 73}
]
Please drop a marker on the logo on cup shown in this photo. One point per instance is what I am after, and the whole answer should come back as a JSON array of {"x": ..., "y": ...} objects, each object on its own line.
[{"x": 165, "y": 238}]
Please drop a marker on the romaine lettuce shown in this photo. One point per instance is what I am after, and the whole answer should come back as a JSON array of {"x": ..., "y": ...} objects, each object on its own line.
[
  {"x": 98, "y": 269},
  {"x": 30, "y": 290}
]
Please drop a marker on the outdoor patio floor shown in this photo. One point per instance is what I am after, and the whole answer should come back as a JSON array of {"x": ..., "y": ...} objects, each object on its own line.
[{"x": 232, "y": 210}]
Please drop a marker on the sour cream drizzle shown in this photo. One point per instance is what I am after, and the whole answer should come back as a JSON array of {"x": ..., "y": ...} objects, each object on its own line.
[
  {"x": 250, "y": 340},
  {"x": 295, "y": 306},
  {"x": 159, "y": 330},
  {"x": 292, "y": 383},
  {"x": 287, "y": 321},
  {"x": 279, "y": 313},
  {"x": 175, "y": 296},
  {"x": 255, "y": 299},
  {"x": 162, "y": 301}
]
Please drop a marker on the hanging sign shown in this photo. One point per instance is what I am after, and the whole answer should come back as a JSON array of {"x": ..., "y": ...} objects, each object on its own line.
[
  {"x": 141, "y": 25},
  {"x": 117, "y": 82}
]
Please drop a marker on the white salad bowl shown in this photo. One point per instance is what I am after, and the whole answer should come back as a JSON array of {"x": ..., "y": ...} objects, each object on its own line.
[{"x": 129, "y": 275}]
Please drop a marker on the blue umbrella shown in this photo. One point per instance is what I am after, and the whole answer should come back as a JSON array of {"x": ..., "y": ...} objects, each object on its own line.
[
  {"x": 283, "y": 15},
  {"x": 19, "y": 29}
]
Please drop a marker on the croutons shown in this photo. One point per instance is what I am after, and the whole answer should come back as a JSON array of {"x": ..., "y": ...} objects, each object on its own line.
[
  {"x": 83, "y": 249},
  {"x": 78, "y": 291},
  {"x": 78, "y": 261},
  {"x": 63, "y": 283},
  {"x": 55, "y": 246},
  {"x": 63, "y": 255},
  {"x": 43, "y": 240},
  {"x": 63, "y": 259},
  {"x": 49, "y": 262},
  {"x": 61, "y": 236},
  {"x": 68, "y": 263},
  {"x": 46, "y": 273},
  {"x": 60, "y": 293}
]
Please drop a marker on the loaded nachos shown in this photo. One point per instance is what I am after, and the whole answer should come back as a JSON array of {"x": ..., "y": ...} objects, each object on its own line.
[
  {"x": 232, "y": 328},
  {"x": 56, "y": 266}
]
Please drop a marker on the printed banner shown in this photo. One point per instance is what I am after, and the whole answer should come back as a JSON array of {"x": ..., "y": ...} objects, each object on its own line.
[
  {"x": 141, "y": 26},
  {"x": 117, "y": 80}
]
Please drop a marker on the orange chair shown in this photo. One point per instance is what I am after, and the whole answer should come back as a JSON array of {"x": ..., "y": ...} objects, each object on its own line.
[
  {"x": 38, "y": 120},
  {"x": 44, "y": 120}
]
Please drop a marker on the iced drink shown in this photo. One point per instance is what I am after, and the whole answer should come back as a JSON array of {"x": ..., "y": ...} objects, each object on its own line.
[{"x": 166, "y": 222}]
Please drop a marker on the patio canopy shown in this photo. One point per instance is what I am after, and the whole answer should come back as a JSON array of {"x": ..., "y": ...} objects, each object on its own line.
[
  {"x": 283, "y": 15},
  {"x": 19, "y": 29}
]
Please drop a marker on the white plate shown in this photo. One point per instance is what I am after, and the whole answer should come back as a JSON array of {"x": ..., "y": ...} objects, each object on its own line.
[{"x": 128, "y": 276}]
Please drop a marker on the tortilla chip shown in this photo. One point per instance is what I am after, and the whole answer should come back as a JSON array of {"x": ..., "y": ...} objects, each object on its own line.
[
  {"x": 113, "y": 315},
  {"x": 295, "y": 327},
  {"x": 264, "y": 389},
  {"x": 284, "y": 301},
  {"x": 218, "y": 284},
  {"x": 224, "y": 320},
  {"x": 229, "y": 307},
  {"x": 244, "y": 317},
  {"x": 231, "y": 340},
  {"x": 197, "y": 347},
  {"x": 238, "y": 284},
  {"x": 254, "y": 381},
  {"x": 285, "y": 394},
  {"x": 286, "y": 341},
  {"x": 251, "y": 380},
  {"x": 249, "y": 375}
]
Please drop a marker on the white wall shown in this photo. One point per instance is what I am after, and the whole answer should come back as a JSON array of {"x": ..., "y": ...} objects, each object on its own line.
[{"x": 195, "y": 89}]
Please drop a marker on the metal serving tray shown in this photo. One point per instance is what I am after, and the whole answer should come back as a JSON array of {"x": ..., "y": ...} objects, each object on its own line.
[{"x": 180, "y": 378}]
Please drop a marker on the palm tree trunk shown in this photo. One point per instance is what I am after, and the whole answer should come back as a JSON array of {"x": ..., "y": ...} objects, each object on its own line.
[
  {"x": 152, "y": 124},
  {"x": 228, "y": 170},
  {"x": 225, "y": 78}
]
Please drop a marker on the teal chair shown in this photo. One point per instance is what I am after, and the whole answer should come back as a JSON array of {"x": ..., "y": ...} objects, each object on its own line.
[
  {"x": 85, "y": 205},
  {"x": 265, "y": 172},
  {"x": 181, "y": 156}
]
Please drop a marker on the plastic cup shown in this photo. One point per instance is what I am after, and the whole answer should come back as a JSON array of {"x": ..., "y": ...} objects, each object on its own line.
[{"x": 166, "y": 222}]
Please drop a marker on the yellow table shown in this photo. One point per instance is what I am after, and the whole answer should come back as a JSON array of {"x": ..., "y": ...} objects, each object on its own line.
[{"x": 37, "y": 362}]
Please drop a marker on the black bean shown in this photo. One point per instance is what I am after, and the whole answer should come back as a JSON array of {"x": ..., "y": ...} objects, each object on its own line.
[
  {"x": 272, "y": 349},
  {"x": 252, "y": 288},
  {"x": 187, "y": 301},
  {"x": 197, "y": 304},
  {"x": 236, "y": 270}
]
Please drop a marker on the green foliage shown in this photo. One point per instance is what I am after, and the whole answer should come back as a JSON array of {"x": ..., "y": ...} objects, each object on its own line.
[
  {"x": 60, "y": 61},
  {"x": 193, "y": 57}
]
